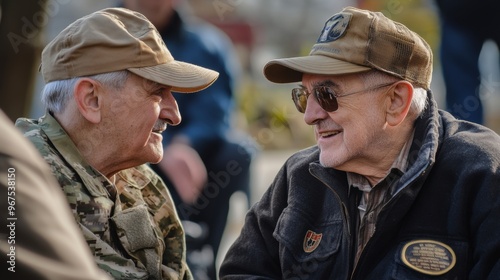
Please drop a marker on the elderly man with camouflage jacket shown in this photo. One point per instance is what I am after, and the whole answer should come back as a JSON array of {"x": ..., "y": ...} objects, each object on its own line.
[{"x": 109, "y": 97}]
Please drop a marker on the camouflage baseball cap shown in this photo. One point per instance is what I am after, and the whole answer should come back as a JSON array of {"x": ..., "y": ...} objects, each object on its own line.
[
  {"x": 356, "y": 40},
  {"x": 115, "y": 39}
]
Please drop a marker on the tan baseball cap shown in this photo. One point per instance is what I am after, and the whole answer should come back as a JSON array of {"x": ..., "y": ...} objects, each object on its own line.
[
  {"x": 115, "y": 39},
  {"x": 356, "y": 40}
]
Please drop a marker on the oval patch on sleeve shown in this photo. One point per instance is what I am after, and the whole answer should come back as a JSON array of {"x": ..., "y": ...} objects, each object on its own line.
[{"x": 428, "y": 256}]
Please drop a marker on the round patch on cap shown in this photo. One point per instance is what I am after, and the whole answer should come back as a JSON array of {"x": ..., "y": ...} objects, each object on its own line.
[
  {"x": 335, "y": 27},
  {"x": 428, "y": 256}
]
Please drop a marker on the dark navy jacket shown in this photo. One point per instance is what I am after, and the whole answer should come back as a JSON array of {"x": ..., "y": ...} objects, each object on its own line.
[{"x": 443, "y": 221}]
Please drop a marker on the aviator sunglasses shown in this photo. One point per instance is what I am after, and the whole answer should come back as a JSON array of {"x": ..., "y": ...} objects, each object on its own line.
[{"x": 325, "y": 95}]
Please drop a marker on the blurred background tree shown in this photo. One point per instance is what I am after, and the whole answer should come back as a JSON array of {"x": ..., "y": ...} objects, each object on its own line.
[{"x": 21, "y": 27}]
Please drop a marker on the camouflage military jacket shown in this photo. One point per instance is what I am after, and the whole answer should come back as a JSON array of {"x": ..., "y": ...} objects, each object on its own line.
[{"x": 131, "y": 226}]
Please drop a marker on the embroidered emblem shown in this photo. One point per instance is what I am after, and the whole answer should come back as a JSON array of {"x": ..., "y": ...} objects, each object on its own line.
[
  {"x": 311, "y": 241},
  {"x": 334, "y": 27},
  {"x": 428, "y": 256}
]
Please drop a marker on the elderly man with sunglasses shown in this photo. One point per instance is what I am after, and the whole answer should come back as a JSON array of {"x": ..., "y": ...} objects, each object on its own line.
[{"x": 394, "y": 189}]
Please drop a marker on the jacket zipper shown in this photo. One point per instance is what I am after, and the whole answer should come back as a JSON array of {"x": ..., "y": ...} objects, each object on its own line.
[{"x": 347, "y": 224}]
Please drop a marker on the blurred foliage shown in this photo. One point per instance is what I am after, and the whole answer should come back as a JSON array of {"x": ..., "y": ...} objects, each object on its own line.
[
  {"x": 271, "y": 117},
  {"x": 418, "y": 15}
]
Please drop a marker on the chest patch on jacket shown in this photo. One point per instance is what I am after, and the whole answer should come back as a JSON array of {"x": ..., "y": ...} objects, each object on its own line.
[
  {"x": 311, "y": 241},
  {"x": 428, "y": 256}
]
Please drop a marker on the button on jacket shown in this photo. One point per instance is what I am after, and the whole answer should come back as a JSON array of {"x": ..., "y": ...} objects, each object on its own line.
[{"x": 442, "y": 222}]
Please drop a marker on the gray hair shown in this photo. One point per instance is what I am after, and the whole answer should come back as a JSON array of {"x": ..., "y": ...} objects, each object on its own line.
[
  {"x": 419, "y": 100},
  {"x": 56, "y": 94}
]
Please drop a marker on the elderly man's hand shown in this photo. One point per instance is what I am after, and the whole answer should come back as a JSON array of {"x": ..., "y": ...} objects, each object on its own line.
[{"x": 186, "y": 170}]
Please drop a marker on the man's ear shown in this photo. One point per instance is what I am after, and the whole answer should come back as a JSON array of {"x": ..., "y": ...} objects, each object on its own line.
[
  {"x": 88, "y": 100},
  {"x": 398, "y": 102}
]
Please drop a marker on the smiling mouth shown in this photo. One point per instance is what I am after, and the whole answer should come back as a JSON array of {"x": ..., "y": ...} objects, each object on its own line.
[
  {"x": 159, "y": 131},
  {"x": 328, "y": 134}
]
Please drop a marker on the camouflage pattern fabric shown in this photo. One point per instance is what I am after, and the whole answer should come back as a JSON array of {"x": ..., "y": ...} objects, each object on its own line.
[{"x": 131, "y": 226}]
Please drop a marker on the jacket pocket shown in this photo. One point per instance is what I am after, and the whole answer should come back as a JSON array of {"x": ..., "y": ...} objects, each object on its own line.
[
  {"x": 135, "y": 229},
  {"x": 307, "y": 238}
]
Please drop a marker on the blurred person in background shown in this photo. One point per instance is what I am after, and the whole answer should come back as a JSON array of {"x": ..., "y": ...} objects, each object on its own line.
[
  {"x": 465, "y": 26},
  {"x": 206, "y": 159},
  {"x": 108, "y": 94},
  {"x": 40, "y": 239},
  {"x": 395, "y": 187}
]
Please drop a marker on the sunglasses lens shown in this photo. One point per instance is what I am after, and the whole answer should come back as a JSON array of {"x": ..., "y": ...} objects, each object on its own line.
[
  {"x": 326, "y": 99},
  {"x": 299, "y": 97},
  {"x": 324, "y": 95}
]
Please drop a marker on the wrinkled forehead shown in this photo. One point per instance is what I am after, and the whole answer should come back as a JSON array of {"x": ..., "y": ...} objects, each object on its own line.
[
  {"x": 332, "y": 81},
  {"x": 149, "y": 85}
]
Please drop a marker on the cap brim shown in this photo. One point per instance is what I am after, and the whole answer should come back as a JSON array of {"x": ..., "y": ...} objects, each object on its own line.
[
  {"x": 290, "y": 70},
  {"x": 181, "y": 76}
]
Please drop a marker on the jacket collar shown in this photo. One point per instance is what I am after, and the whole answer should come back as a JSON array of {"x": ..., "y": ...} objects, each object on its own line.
[
  {"x": 428, "y": 131},
  {"x": 90, "y": 177}
]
